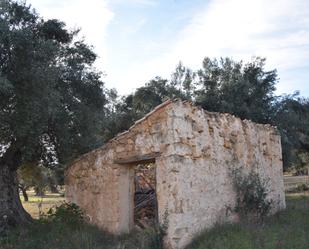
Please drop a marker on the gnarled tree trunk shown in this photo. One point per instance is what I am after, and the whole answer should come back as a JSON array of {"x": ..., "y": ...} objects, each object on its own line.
[{"x": 12, "y": 212}]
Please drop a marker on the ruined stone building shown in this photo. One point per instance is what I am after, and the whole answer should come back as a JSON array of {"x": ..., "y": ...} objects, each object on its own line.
[{"x": 191, "y": 153}]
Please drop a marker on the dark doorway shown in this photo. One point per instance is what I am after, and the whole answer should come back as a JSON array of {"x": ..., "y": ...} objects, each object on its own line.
[{"x": 145, "y": 199}]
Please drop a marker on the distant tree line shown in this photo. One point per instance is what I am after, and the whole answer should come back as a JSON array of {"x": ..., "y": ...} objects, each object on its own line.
[{"x": 245, "y": 90}]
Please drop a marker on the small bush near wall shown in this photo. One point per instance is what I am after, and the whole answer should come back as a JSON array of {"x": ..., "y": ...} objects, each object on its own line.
[
  {"x": 67, "y": 213},
  {"x": 251, "y": 191}
]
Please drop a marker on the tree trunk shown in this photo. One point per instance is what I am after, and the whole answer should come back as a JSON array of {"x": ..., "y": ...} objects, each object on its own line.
[
  {"x": 53, "y": 189},
  {"x": 39, "y": 191},
  {"x": 12, "y": 212},
  {"x": 24, "y": 192}
]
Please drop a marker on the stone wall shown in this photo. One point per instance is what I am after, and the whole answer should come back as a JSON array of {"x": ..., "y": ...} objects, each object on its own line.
[
  {"x": 194, "y": 151},
  {"x": 101, "y": 182},
  {"x": 195, "y": 183}
]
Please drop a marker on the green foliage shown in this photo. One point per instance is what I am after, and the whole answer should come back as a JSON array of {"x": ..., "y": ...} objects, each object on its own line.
[
  {"x": 245, "y": 90},
  {"x": 66, "y": 213},
  {"x": 38, "y": 177},
  {"x": 302, "y": 168},
  {"x": 51, "y": 98},
  {"x": 292, "y": 118},
  {"x": 251, "y": 195},
  {"x": 285, "y": 230}
]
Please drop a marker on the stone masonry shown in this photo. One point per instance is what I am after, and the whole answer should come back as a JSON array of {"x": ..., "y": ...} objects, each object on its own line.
[{"x": 194, "y": 152}]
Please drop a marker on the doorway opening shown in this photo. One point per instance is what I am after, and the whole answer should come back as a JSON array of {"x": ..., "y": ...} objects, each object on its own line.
[{"x": 145, "y": 197}]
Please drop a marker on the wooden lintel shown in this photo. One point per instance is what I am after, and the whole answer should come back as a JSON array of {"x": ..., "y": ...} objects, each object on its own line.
[{"x": 148, "y": 158}]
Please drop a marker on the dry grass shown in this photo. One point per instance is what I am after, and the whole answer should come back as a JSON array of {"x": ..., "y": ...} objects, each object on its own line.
[
  {"x": 294, "y": 182},
  {"x": 40, "y": 205}
]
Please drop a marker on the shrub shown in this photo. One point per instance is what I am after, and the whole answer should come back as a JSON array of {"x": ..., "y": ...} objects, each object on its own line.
[
  {"x": 299, "y": 188},
  {"x": 251, "y": 190},
  {"x": 67, "y": 213}
]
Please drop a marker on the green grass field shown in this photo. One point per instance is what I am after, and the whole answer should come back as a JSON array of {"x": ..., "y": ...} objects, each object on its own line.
[{"x": 288, "y": 229}]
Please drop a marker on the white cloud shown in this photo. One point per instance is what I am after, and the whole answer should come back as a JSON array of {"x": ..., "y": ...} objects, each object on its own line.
[
  {"x": 145, "y": 2},
  {"x": 277, "y": 29},
  {"x": 92, "y": 16},
  {"x": 133, "y": 29},
  {"x": 140, "y": 2},
  {"x": 243, "y": 28}
]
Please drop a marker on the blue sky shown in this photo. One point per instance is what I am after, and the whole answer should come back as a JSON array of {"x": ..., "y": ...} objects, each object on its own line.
[{"x": 140, "y": 39}]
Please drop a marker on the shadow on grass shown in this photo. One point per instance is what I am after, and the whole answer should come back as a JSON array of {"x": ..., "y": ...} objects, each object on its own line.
[
  {"x": 287, "y": 229},
  {"x": 58, "y": 235}
]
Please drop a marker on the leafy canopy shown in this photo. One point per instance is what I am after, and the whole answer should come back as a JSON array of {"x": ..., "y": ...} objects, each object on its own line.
[{"x": 51, "y": 98}]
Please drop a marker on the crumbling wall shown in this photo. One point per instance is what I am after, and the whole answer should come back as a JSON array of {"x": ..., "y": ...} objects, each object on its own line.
[
  {"x": 195, "y": 185},
  {"x": 101, "y": 182},
  {"x": 194, "y": 152}
]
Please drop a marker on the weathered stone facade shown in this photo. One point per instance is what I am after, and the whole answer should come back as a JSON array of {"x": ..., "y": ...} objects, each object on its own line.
[{"x": 194, "y": 151}]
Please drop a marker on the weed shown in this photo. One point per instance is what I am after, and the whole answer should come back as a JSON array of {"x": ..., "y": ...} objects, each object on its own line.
[{"x": 251, "y": 191}]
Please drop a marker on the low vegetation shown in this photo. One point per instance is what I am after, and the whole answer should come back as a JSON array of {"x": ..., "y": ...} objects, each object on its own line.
[
  {"x": 287, "y": 229},
  {"x": 63, "y": 228},
  {"x": 252, "y": 201}
]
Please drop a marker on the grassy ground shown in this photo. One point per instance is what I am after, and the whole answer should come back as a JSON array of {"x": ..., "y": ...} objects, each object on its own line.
[
  {"x": 287, "y": 230},
  {"x": 37, "y": 205},
  {"x": 62, "y": 234}
]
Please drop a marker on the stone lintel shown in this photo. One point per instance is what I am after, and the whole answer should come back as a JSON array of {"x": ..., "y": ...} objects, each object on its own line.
[{"x": 147, "y": 158}]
